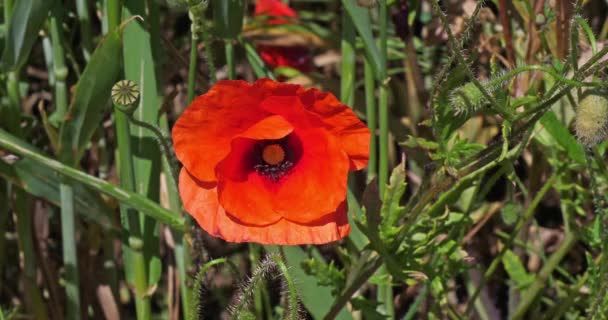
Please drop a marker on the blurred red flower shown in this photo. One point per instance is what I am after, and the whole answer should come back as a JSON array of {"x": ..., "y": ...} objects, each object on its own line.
[
  {"x": 297, "y": 57},
  {"x": 267, "y": 162},
  {"x": 274, "y": 8}
]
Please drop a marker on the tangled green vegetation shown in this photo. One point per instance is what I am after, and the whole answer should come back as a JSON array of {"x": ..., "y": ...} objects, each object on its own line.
[{"x": 484, "y": 197}]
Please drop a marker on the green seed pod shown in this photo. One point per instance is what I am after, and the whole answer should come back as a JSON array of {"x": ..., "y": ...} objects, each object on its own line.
[
  {"x": 591, "y": 121},
  {"x": 467, "y": 99},
  {"x": 125, "y": 94}
]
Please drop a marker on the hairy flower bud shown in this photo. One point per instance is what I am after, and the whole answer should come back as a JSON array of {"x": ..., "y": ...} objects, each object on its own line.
[
  {"x": 592, "y": 118},
  {"x": 467, "y": 99}
]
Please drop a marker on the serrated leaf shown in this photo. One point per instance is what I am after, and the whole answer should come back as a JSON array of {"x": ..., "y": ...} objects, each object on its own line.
[
  {"x": 516, "y": 270},
  {"x": 368, "y": 308},
  {"x": 91, "y": 98},
  {"x": 392, "y": 210},
  {"x": 26, "y": 21},
  {"x": 563, "y": 137},
  {"x": 414, "y": 142}
]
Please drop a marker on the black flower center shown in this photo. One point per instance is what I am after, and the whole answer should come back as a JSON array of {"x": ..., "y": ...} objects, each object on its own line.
[{"x": 275, "y": 158}]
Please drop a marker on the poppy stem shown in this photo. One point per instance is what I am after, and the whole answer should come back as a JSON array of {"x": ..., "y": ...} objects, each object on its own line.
[
  {"x": 192, "y": 67},
  {"x": 372, "y": 122},
  {"x": 385, "y": 292},
  {"x": 229, "y": 47},
  {"x": 68, "y": 219}
]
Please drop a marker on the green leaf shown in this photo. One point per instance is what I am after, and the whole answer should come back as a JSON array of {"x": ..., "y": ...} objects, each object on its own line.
[
  {"x": 228, "y": 18},
  {"x": 368, "y": 308},
  {"x": 564, "y": 138},
  {"x": 516, "y": 270},
  {"x": 510, "y": 212},
  {"x": 26, "y": 20},
  {"x": 363, "y": 24},
  {"x": 392, "y": 210},
  {"x": 44, "y": 183},
  {"x": 414, "y": 142},
  {"x": 91, "y": 99}
]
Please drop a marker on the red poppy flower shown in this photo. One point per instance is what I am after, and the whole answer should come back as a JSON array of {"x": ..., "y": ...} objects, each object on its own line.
[
  {"x": 267, "y": 162},
  {"x": 297, "y": 57},
  {"x": 274, "y": 8}
]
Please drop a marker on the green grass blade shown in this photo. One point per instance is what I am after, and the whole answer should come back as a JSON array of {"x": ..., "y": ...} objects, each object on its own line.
[
  {"x": 347, "y": 66},
  {"x": 363, "y": 25},
  {"x": 259, "y": 67},
  {"x": 138, "y": 202},
  {"x": 44, "y": 183},
  {"x": 139, "y": 63},
  {"x": 27, "y": 18},
  {"x": 91, "y": 98}
]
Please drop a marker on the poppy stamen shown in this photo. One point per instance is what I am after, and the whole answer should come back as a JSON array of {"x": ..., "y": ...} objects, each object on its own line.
[
  {"x": 273, "y": 154},
  {"x": 274, "y": 162}
]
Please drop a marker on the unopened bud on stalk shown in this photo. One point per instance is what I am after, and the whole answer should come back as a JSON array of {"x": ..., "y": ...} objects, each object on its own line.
[
  {"x": 125, "y": 94},
  {"x": 467, "y": 99},
  {"x": 591, "y": 123}
]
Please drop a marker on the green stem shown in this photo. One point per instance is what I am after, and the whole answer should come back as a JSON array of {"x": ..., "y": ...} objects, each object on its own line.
[
  {"x": 532, "y": 292},
  {"x": 13, "y": 112},
  {"x": 24, "y": 235},
  {"x": 347, "y": 66},
  {"x": 165, "y": 146},
  {"x": 138, "y": 259},
  {"x": 68, "y": 225},
  {"x": 133, "y": 246},
  {"x": 520, "y": 224},
  {"x": 85, "y": 28},
  {"x": 370, "y": 111},
  {"x": 192, "y": 66},
  {"x": 229, "y": 47},
  {"x": 70, "y": 252},
  {"x": 208, "y": 52},
  {"x": 292, "y": 298},
  {"x": 4, "y": 217},
  {"x": 385, "y": 292},
  {"x": 114, "y": 13}
]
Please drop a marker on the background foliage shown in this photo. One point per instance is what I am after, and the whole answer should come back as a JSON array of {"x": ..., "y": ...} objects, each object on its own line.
[{"x": 479, "y": 202}]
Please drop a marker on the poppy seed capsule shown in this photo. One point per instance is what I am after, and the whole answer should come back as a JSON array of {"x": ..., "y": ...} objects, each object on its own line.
[{"x": 592, "y": 118}]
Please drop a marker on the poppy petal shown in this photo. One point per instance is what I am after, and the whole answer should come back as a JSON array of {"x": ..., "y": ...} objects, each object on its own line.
[
  {"x": 324, "y": 110},
  {"x": 274, "y": 8},
  {"x": 354, "y": 135},
  {"x": 315, "y": 186},
  {"x": 202, "y": 134},
  {"x": 200, "y": 200}
]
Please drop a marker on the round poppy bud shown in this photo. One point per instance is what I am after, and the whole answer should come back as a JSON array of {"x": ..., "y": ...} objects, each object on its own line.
[
  {"x": 591, "y": 121},
  {"x": 268, "y": 162}
]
